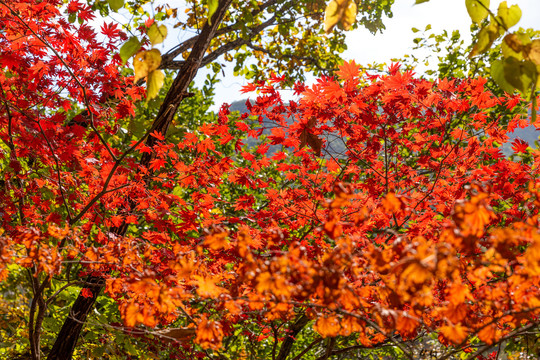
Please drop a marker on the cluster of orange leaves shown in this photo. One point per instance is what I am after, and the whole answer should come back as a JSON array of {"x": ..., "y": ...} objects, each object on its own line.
[{"x": 421, "y": 224}]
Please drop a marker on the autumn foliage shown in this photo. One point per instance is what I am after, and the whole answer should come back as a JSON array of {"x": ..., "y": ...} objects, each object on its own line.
[{"x": 419, "y": 226}]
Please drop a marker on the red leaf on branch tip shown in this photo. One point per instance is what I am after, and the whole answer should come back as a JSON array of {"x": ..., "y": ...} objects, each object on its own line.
[
  {"x": 248, "y": 88},
  {"x": 276, "y": 79},
  {"x": 277, "y": 137},
  {"x": 73, "y": 6},
  {"x": 110, "y": 30},
  {"x": 116, "y": 220},
  {"x": 348, "y": 71},
  {"x": 519, "y": 146},
  {"x": 238, "y": 145},
  {"x": 148, "y": 22},
  {"x": 394, "y": 68},
  {"x": 157, "y": 135},
  {"x": 157, "y": 164},
  {"x": 86, "y": 293}
]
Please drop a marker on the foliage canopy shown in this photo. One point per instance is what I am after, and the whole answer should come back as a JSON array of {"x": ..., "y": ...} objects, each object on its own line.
[{"x": 138, "y": 224}]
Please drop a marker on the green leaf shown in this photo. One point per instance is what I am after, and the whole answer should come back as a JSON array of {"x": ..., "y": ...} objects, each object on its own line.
[
  {"x": 72, "y": 17},
  {"x": 509, "y": 15},
  {"x": 519, "y": 74},
  {"x": 533, "y": 107},
  {"x": 212, "y": 7},
  {"x": 486, "y": 37},
  {"x": 130, "y": 48},
  {"x": 415, "y": 30},
  {"x": 420, "y": 2},
  {"x": 512, "y": 46},
  {"x": 116, "y": 4},
  {"x": 154, "y": 84},
  {"x": 477, "y": 9},
  {"x": 157, "y": 34},
  {"x": 497, "y": 72}
]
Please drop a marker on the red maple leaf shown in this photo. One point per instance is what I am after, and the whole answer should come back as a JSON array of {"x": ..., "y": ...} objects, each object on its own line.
[
  {"x": 348, "y": 71},
  {"x": 520, "y": 146},
  {"x": 110, "y": 30}
]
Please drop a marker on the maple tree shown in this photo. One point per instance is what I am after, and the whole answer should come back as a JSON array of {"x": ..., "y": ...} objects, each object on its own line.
[{"x": 418, "y": 236}]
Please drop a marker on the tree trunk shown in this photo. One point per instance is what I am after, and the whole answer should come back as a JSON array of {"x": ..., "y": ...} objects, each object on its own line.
[
  {"x": 288, "y": 343},
  {"x": 67, "y": 337}
]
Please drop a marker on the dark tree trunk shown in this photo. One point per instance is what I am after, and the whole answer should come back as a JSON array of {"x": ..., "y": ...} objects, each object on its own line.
[
  {"x": 69, "y": 333},
  {"x": 288, "y": 343}
]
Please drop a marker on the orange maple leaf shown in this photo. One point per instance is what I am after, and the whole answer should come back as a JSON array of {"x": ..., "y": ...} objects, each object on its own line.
[
  {"x": 348, "y": 71},
  {"x": 327, "y": 326},
  {"x": 217, "y": 241},
  {"x": 209, "y": 334},
  {"x": 392, "y": 203},
  {"x": 207, "y": 287},
  {"x": 132, "y": 315},
  {"x": 489, "y": 334},
  {"x": 406, "y": 325},
  {"x": 454, "y": 333}
]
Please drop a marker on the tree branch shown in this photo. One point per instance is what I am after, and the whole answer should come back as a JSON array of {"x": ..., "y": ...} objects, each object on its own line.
[
  {"x": 301, "y": 321},
  {"x": 69, "y": 333},
  {"x": 167, "y": 60}
]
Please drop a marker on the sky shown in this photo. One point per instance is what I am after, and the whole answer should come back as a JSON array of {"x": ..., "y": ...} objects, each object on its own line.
[{"x": 397, "y": 39}]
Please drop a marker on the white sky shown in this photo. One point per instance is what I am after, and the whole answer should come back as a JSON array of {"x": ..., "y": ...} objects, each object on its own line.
[{"x": 397, "y": 39}]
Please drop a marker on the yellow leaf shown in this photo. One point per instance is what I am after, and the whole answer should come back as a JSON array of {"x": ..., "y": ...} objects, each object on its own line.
[
  {"x": 455, "y": 313},
  {"x": 477, "y": 9},
  {"x": 212, "y": 7},
  {"x": 145, "y": 62},
  {"x": 154, "y": 83},
  {"x": 132, "y": 315},
  {"x": 458, "y": 293},
  {"x": 514, "y": 43},
  {"x": 474, "y": 215},
  {"x": 416, "y": 273},
  {"x": 340, "y": 12},
  {"x": 349, "y": 325},
  {"x": 532, "y": 258},
  {"x": 486, "y": 37},
  {"x": 272, "y": 283},
  {"x": 157, "y": 34},
  {"x": 232, "y": 307},
  {"x": 392, "y": 203},
  {"x": 509, "y": 15}
]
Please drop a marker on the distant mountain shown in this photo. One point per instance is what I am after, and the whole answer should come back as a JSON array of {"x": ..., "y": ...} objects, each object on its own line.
[
  {"x": 241, "y": 107},
  {"x": 529, "y": 134},
  {"x": 336, "y": 146}
]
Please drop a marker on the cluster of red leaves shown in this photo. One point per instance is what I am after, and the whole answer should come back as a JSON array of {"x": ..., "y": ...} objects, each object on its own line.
[
  {"x": 420, "y": 223},
  {"x": 427, "y": 233}
]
